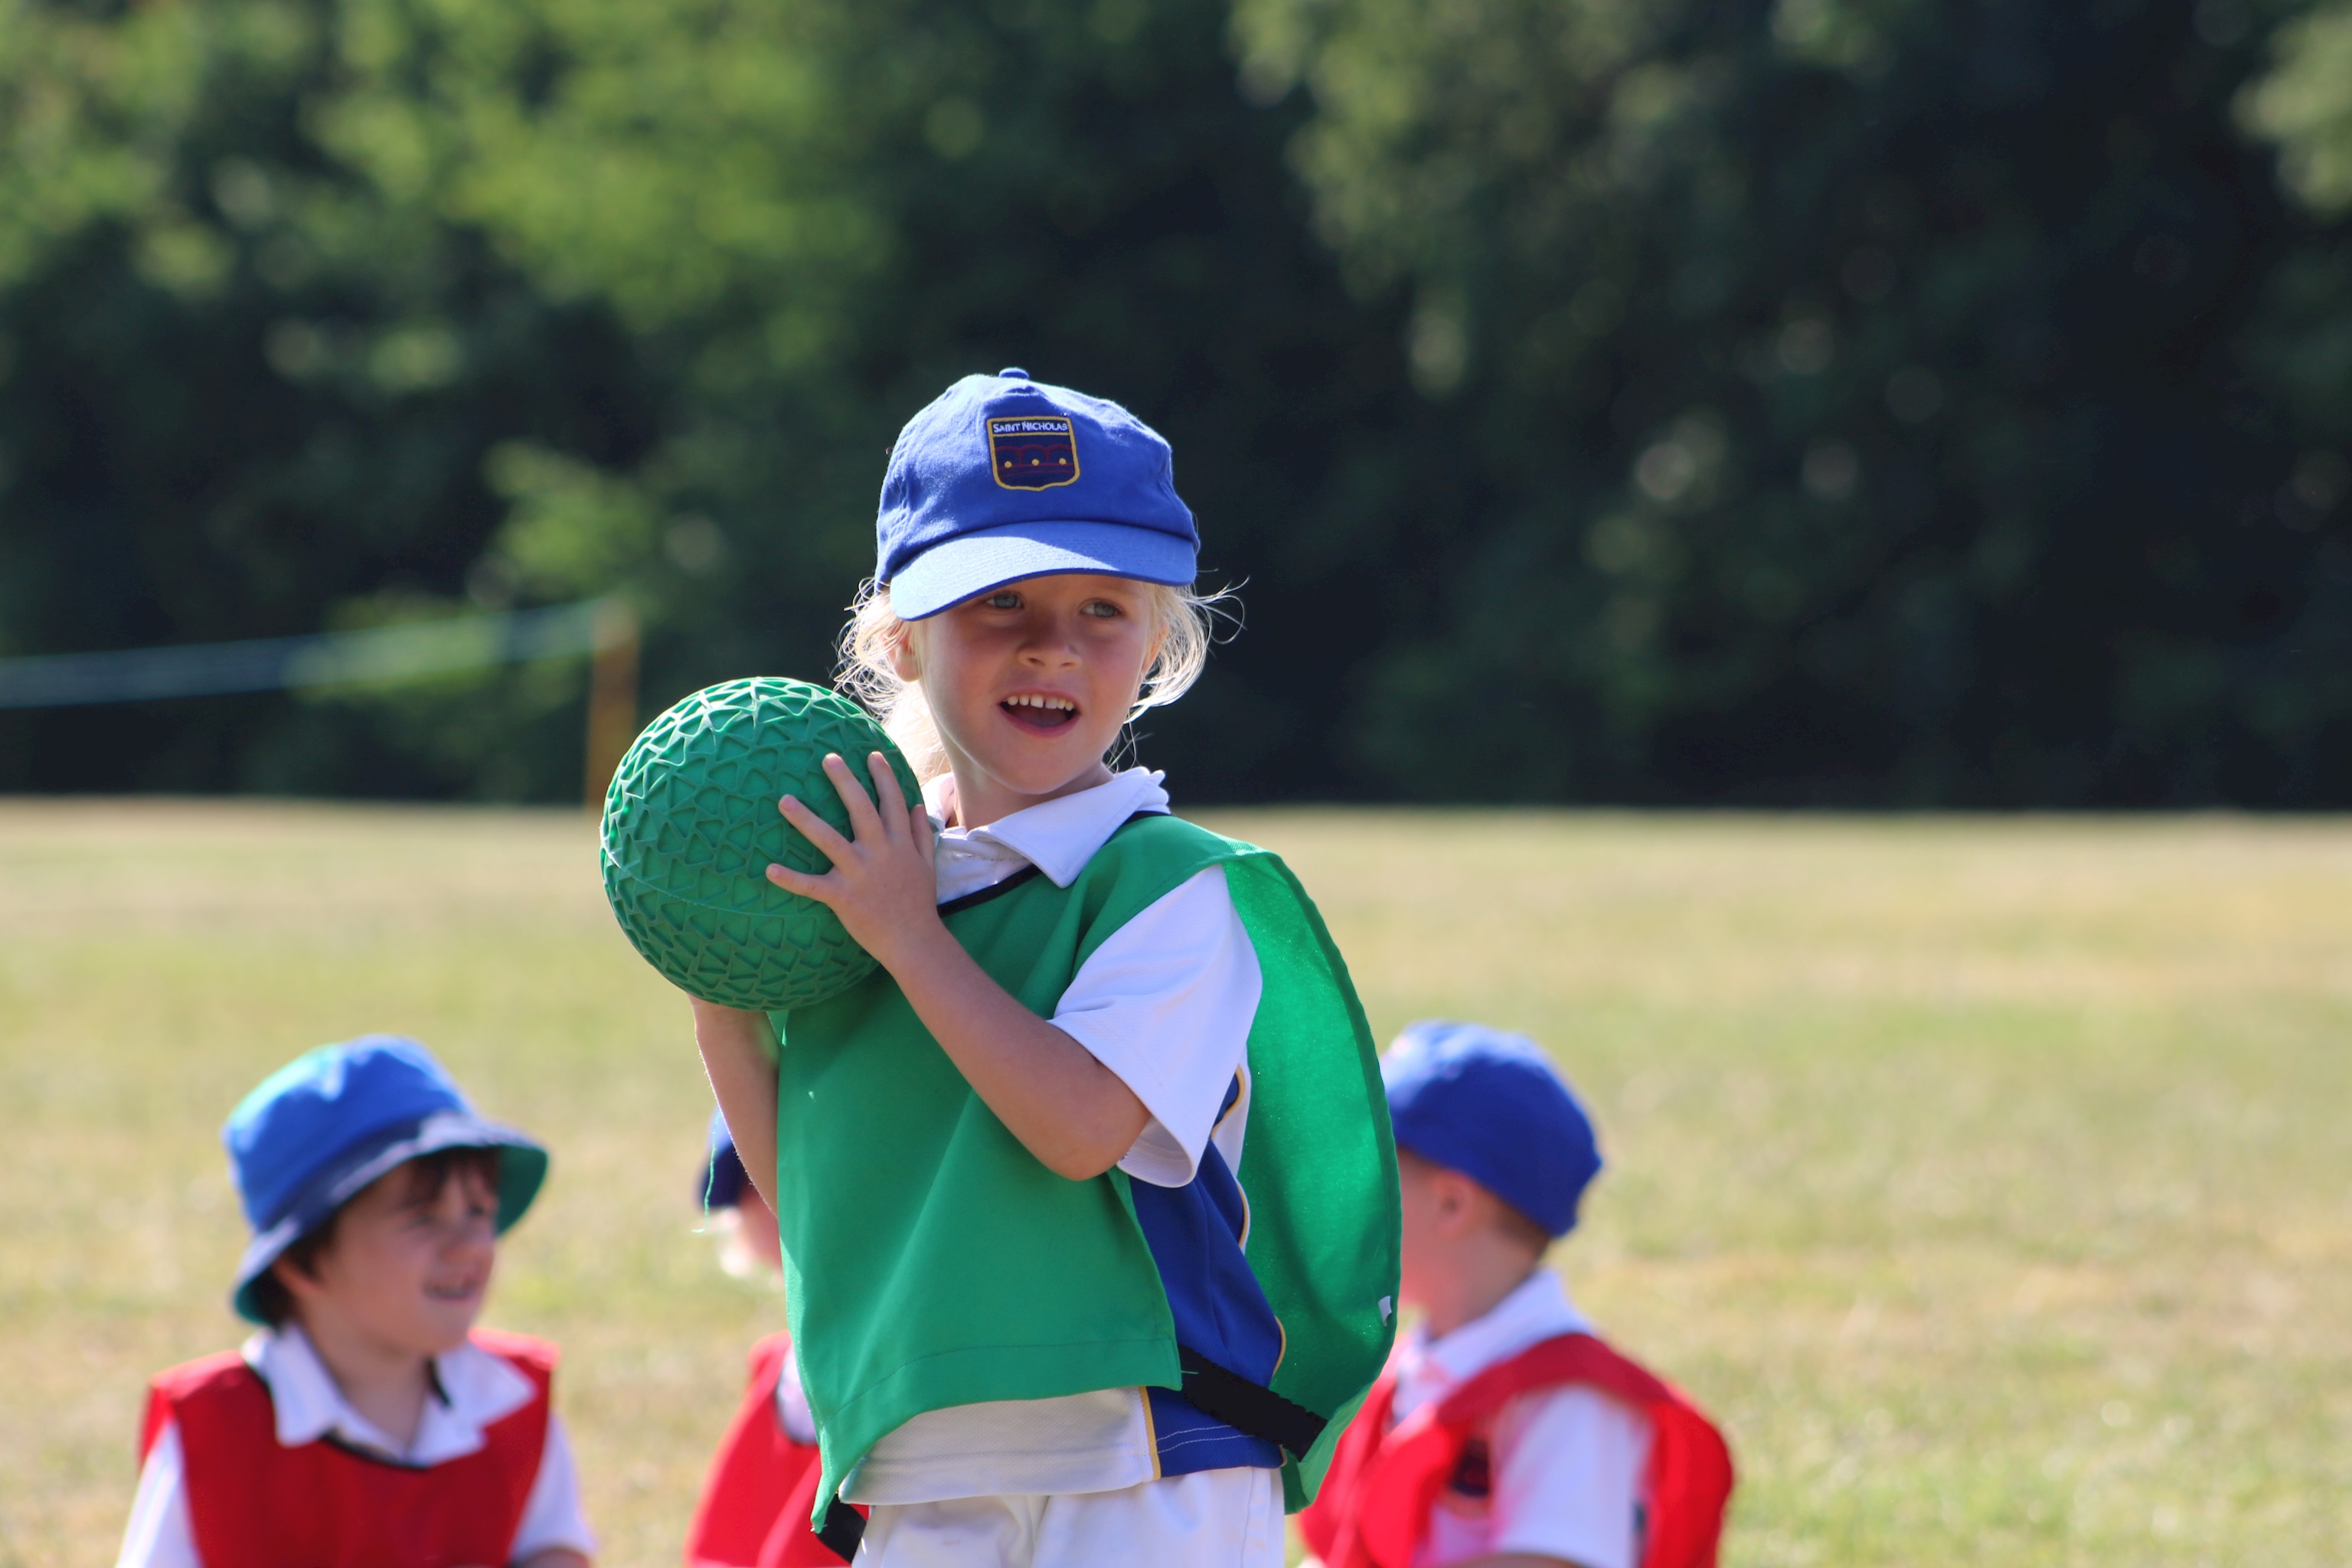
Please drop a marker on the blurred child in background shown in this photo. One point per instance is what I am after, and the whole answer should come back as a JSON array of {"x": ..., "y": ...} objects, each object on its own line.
[
  {"x": 1504, "y": 1431},
  {"x": 754, "y": 1511},
  {"x": 367, "y": 1424}
]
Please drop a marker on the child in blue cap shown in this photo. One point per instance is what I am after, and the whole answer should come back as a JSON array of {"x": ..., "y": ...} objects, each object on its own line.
[
  {"x": 1087, "y": 1199},
  {"x": 1504, "y": 1428},
  {"x": 367, "y": 1421}
]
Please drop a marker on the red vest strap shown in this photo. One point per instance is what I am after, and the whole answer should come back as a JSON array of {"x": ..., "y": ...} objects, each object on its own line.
[
  {"x": 169, "y": 1387},
  {"x": 534, "y": 1358},
  {"x": 1374, "y": 1509},
  {"x": 1331, "y": 1524},
  {"x": 252, "y": 1503},
  {"x": 1569, "y": 1359}
]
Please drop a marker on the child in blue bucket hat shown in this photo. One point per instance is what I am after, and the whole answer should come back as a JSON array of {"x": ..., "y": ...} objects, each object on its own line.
[
  {"x": 1086, "y": 1198},
  {"x": 1504, "y": 1427},
  {"x": 367, "y": 1420}
]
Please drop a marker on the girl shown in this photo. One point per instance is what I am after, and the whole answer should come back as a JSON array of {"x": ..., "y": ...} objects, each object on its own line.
[{"x": 1039, "y": 1320}]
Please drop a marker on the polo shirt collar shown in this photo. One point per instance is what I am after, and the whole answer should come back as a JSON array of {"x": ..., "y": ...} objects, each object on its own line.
[
  {"x": 1061, "y": 835},
  {"x": 1536, "y": 1310},
  {"x": 473, "y": 1388}
]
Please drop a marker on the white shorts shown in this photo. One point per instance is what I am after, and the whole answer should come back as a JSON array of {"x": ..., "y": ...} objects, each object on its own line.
[{"x": 1210, "y": 1519}]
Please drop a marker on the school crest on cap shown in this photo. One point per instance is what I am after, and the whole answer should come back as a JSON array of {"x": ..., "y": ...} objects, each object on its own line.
[{"x": 1031, "y": 451}]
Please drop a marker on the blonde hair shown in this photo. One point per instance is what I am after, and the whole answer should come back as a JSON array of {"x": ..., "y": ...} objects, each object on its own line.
[{"x": 1185, "y": 621}]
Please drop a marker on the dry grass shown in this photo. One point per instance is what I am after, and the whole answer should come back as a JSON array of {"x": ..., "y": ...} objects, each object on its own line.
[{"x": 1989, "y": 1178}]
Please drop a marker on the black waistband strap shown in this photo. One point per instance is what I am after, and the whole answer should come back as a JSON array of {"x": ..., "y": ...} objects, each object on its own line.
[
  {"x": 1216, "y": 1392},
  {"x": 843, "y": 1529},
  {"x": 1224, "y": 1394}
]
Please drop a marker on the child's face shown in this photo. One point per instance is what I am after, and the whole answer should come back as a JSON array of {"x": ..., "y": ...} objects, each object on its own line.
[
  {"x": 408, "y": 1267},
  {"x": 1432, "y": 1216},
  {"x": 1030, "y": 684},
  {"x": 1454, "y": 1230}
]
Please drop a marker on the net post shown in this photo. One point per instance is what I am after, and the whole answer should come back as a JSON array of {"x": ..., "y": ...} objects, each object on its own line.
[{"x": 611, "y": 695}]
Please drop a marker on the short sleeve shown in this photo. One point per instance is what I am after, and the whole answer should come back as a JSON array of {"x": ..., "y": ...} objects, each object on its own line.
[
  {"x": 1166, "y": 1003},
  {"x": 552, "y": 1518},
  {"x": 159, "y": 1534},
  {"x": 1568, "y": 1478}
]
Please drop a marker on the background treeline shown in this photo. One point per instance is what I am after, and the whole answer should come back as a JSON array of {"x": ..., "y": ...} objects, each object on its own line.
[{"x": 1875, "y": 401}]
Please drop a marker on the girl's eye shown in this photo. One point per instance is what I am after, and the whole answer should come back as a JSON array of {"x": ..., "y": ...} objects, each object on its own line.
[
  {"x": 1103, "y": 608},
  {"x": 1005, "y": 599}
]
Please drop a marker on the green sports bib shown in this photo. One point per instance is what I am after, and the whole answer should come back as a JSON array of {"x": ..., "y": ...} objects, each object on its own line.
[{"x": 932, "y": 1262}]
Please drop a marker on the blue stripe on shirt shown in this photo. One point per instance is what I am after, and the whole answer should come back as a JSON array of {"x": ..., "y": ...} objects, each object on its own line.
[{"x": 1195, "y": 1235}]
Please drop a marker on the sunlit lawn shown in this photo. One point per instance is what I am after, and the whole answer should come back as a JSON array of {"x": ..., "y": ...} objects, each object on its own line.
[{"x": 1992, "y": 1180}]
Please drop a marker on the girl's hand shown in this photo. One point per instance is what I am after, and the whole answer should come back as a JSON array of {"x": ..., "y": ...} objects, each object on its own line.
[
  {"x": 882, "y": 884},
  {"x": 1066, "y": 1108}
]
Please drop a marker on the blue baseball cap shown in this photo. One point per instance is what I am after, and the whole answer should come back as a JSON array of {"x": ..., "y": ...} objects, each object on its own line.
[
  {"x": 1004, "y": 478},
  {"x": 1489, "y": 1105},
  {"x": 724, "y": 1177},
  {"x": 331, "y": 1120}
]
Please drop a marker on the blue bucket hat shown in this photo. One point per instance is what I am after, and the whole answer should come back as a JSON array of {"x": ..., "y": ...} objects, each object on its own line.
[
  {"x": 1004, "y": 478},
  {"x": 331, "y": 1120},
  {"x": 723, "y": 1178},
  {"x": 1489, "y": 1105}
]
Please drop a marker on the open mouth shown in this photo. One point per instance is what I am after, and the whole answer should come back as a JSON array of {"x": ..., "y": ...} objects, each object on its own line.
[
  {"x": 456, "y": 1293},
  {"x": 1039, "y": 711}
]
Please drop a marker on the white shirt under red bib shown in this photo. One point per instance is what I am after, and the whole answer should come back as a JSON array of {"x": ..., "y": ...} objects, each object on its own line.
[
  {"x": 475, "y": 1389},
  {"x": 1564, "y": 1465}
]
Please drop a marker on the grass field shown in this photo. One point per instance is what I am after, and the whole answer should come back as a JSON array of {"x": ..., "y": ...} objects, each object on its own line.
[{"x": 1991, "y": 1179}]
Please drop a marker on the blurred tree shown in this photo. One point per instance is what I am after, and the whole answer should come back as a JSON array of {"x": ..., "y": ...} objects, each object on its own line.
[
  {"x": 1697, "y": 400},
  {"x": 1866, "y": 400},
  {"x": 246, "y": 389},
  {"x": 815, "y": 215},
  {"x": 784, "y": 227},
  {"x": 2305, "y": 102}
]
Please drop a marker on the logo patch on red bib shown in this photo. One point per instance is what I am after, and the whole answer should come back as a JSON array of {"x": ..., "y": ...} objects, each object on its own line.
[{"x": 1031, "y": 451}]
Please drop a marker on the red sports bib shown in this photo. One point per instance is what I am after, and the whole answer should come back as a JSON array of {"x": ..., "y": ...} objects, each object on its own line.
[
  {"x": 762, "y": 1487},
  {"x": 252, "y": 1503},
  {"x": 1374, "y": 1507}
]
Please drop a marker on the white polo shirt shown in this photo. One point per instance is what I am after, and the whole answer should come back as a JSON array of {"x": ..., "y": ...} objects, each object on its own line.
[
  {"x": 477, "y": 1388},
  {"x": 1166, "y": 1003},
  {"x": 1565, "y": 1465},
  {"x": 792, "y": 1412}
]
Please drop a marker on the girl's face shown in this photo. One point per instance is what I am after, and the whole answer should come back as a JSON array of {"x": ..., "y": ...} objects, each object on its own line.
[{"x": 1030, "y": 684}]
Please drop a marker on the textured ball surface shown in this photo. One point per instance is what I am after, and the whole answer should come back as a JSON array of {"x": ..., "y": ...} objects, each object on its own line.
[{"x": 691, "y": 826}]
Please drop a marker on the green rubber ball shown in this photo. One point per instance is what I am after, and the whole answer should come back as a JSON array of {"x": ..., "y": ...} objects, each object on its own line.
[{"x": 691, "y": 826}]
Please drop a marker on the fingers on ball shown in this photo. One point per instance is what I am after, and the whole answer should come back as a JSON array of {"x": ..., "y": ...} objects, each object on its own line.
[
  {"x": 886, "y": 781},
  {"x": 792, "y": 881}
]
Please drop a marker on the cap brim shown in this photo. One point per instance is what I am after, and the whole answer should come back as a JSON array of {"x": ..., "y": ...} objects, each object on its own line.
[
  {"x": 957, "y": 569},
  {"x": 522, "y": 1167}
]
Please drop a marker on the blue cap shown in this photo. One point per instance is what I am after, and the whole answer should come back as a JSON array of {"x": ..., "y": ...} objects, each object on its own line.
[
  {"x": 1489, "y": 1105},
  {"x": 723, "y": 1176},
  {"x": 331, "y": 1120},
  {"x": 1004, "y": 478}
]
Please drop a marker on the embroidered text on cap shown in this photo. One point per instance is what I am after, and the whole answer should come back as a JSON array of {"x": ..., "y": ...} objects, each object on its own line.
[{"x": 1031, "y": 451}]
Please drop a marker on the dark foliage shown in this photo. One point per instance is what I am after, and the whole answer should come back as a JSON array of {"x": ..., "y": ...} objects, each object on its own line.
[{"x": 1698, "y": 402}]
